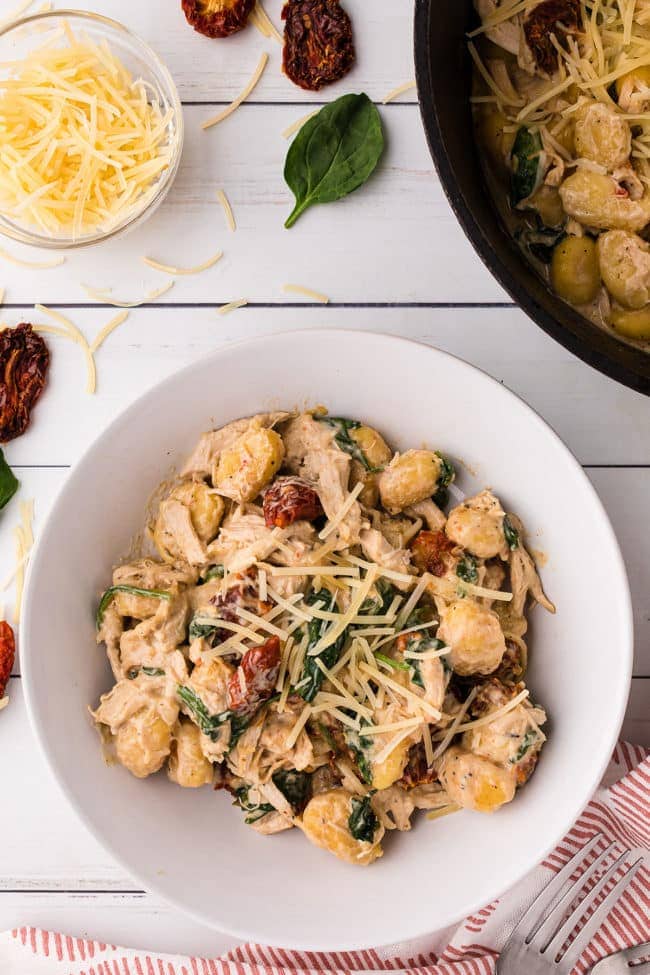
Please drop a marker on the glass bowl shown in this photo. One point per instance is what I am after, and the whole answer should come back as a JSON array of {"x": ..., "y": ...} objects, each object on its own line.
[{"x": 23, "y": 36}]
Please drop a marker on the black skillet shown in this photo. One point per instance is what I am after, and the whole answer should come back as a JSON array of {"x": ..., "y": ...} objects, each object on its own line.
[{"x": 443, "y": 69}]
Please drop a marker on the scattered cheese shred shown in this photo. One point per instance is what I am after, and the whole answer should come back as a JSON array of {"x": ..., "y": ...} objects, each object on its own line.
[
  {"x": 493, "y": 715},
  {"x": 34, "y": 265},
  {"x": 392, "y": 745},
  {"x": 264, "y": 24},
  {"x": 103, "y": 334},
  {"x": 240, "y": 98},
  {"x": 419, "y": 702},
  {"x": 400, "y": 90},
  {"x": 170, "y": 269},
  {"x": 298, "y": 124},
  {"x": 334, "y": 522},
  {"x": 233, "y": 306},
  {"x": 292, "y": 737},
  {"x": 227, "y": 210},
  {"x": 454, "y": 726},
  {"x": 80, "y": 339},
  {"x": 444, "y": 811},
  {"x": 85, "y": 144},
  {"x": 24, "y": 539},
  {"x": 102, "y": 296},
  {"x": 298, "y": 289}
]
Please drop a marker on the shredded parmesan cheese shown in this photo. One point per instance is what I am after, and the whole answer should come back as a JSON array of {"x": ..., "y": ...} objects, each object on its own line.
[
  {"x": 264, "y": 24},
  {"x": 103, "y": 296},
  {"x": 292, "y": 737},
  {"x": 34, "y": 265},
  {"x": 453, "y": 728},
  {"x": 85, "y": 144},
  {"x": 227, "y": 210},
  {"x": 80, "y": 339},
  {"x": 298, "y": 289},
  {"x": 298, "y": 124},
  {"x": 334, "y": 522},
  {"x": 240, "y": 98},
  {"x": 103, "y": 334},
  {"x": 400, "y": 90},
  {"x": 233, "y": 306},
  {"x": 493, "y": 715},
  {"x": 170, "y": 269}
]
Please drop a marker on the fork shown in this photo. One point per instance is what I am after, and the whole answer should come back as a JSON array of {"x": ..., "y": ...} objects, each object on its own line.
[
  {"x": 536, "y": 943},
  {"x": 621, "y": 962}
]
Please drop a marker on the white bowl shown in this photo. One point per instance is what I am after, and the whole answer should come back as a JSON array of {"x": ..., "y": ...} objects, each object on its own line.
[{"x": 193, "y": 847}]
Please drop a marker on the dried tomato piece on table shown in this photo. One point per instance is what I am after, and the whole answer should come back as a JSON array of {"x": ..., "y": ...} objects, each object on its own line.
[
  {"x": 217, "y": 18},
  {"x": 7, "y": 655},
  {"x": 24, "y": 361},
  {"x": 254, "y": 680},
  {"x": 290, "y": 499},
  {"x": 318, "y": 44}
]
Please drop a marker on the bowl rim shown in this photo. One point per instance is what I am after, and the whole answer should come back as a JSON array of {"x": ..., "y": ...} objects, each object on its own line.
[
  {"x": 33, "y": 239},
  {"x": 605, "y": 352},
  {"x": 256, "y": 346}
]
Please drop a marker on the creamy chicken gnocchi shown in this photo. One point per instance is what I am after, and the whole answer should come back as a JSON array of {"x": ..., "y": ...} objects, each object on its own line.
[
  {"x": 562, "y": 110},
  {"x": 318, "y": 632}
]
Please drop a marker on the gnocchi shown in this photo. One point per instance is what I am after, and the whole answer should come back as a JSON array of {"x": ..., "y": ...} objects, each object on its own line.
[
  {"x": 409, "y": 478},
  {"x": 326, "y": 823},
  {"x": 474, "y": 782},
  {"x": 188, "y": 766},
  {"x": 475, "y": 637},
  {"x": 625, "y": 267},
  {"x": 477, "y": 525},
  {"x": 244, "y": 468}
]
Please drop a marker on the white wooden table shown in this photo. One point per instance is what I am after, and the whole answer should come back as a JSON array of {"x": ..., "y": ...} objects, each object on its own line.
[{"x": 391, "y": 258}]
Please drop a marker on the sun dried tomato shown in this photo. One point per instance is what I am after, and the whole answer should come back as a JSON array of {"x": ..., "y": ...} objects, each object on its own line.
[
  {"x": 254, "y": 680},
  {"x": 557, "y": 17},
  {"x": 24, "y": 360},
  {"x": 417, "y": 771},
  {"x": 318, "y": 44},
  {"x": 217, "y": 18},
  {"x": 428, "y": 550},
  {"x": 290, "y": 499},
  {"x": 242, "y": 594},
  {"x": 7, "y": 655}
]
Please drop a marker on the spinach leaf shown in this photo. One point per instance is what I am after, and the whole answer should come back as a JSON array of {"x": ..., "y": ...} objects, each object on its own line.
[
  {"x": 446, "y": 476},
  {"x": 511, "y": 534},
  {"x": 327, "y": 737},
  {"x": 362, "y": 822},
  {"x": 133, "y": 590},
  {"x": 360, "y": 747},
  {"x": 467, "y": 570},
  {"x": 527, "y": 164},
  {"x": 209, "y": 724},
  {"x": 149, "y": 671},
  {"x": 294, "y": 786},
  {"x": 395, "y": 664},
  {"x": 214, "y": 572},
  {"x": 334, "y": 153},
  {"x": 347, "y": 443},
  {"x": 529, "y": 740},
  {"x": 8, "y": 482},
  {"x": 201, "y": 626},
  {"x": 312, "y": 676},
  {"x": 378, "y": 604},
  {"x": 540, "y": 243},
  {"x": 419, "y": 646},
  {"x": 254, "y": 811}
]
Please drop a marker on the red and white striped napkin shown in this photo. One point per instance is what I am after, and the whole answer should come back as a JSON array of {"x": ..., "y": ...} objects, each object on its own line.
[{"x": 620, "y": 810}]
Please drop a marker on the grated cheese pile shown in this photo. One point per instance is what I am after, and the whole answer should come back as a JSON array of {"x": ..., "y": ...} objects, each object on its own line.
[{"x": 82, "y": 143}]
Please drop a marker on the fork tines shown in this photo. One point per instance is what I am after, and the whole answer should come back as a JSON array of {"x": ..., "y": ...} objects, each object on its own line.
[{"x": 552, "y": 917}]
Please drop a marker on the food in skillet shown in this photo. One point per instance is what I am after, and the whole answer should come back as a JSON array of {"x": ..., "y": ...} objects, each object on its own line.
[
  {"x": 317, "y": 637},
  {"x": 562, "y": 109}
]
